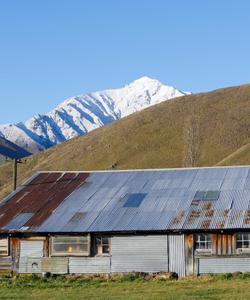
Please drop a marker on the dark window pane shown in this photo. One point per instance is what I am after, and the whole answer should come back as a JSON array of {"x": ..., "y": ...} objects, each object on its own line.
[
  {"x": 238, "y": 245},
  {"x": 199, "y": 195},
  {"x": 105, "y": 249},
  {"x": 105, "y": 241},
  {"x": 212, "y": 195}
]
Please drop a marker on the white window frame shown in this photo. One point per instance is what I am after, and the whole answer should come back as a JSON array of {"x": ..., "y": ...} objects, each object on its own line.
[
  {"x": 55, "y": 253},
  {"x": 207, "y": 241},
  {"x": 242, "y": 250},
  {"x": 7, "y": 246}
]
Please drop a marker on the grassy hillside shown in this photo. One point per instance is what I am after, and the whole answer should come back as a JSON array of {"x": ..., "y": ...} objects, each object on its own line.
[
  {"x": 153, "y": 138},
  {"x": 239, "y": 157}
]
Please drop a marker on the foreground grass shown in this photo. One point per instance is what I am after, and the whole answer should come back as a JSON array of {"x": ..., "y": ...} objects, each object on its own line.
[{"x": 211, "y": 287}]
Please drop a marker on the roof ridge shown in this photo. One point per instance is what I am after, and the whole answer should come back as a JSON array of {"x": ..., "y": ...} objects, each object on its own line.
[{"x": 146, "y": 170}]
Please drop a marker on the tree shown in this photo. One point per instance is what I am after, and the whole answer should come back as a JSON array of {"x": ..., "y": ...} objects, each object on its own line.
[{"x": 192, "y": 141}]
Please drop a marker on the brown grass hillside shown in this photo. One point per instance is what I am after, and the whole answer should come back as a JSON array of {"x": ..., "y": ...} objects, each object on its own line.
[
  {"x": 153, "y": 138},
  {"x": 240, "y": 157}
]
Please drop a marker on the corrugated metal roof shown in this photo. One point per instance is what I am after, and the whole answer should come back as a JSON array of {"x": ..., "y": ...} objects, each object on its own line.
[
  {"x": 96, "y": 201},
  {"x": 40, "y": 197}
]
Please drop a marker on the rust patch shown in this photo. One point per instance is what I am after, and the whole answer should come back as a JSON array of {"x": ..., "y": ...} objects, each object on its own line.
[
  {"x": 208, "y": 206},
  {"x": 221, "y": 224},
  {"x": 41, "y": 197},
  {"x": 205, "y": 224},
  {"x": 209, "y": 213},
  {"x": 247, "y": 217},
  {"x": 193, "y": 215},
  {"x": 178, "y": 218},
  {"x": 235, "y": 217}
]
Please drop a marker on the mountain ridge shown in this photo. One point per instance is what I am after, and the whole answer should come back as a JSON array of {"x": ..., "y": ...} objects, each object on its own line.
[{"x": 81, "y": 114}]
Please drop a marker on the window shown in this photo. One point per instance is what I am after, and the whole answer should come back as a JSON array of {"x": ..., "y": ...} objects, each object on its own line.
[
  {"x": 4, "y": 247},
  {"x": 243, "y": 241},
  {"x": 102, "y": 245},
  {"x": 134, "y": 200},
  {"x": 207, "y": 195},
  {"x": 203, "y": 242},
  {"x": 70, "y": 245}
]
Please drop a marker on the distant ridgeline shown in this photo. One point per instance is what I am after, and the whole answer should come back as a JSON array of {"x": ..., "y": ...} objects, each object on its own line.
[
  {"x": 11, "y": 150},
  {"x": 81, "y": 114}
]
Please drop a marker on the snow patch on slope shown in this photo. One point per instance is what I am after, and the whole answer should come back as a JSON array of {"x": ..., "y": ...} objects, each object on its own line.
[{"x": 81, "y": 114}]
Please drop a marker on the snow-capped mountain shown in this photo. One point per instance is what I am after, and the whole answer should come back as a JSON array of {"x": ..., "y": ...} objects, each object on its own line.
[{"x": 80, "y": 114}]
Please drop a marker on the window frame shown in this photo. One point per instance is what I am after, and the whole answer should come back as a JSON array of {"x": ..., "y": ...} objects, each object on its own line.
[
  {"x": 243, "y": 249},
  {"x": 54, "y": 253},
  {"x": 7, "y": 247},
  {"x": 210, "y": 195},
  {"x": 208, "y": 243},
  {"x": 96, "y": 248}
]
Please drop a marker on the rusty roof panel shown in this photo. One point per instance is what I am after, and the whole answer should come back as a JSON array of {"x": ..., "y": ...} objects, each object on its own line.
[
  {"x": 235, "y": 219},
  {"x": 62, "y": 189},
  {"x": 39, "y": 198},
  {"x": 18, "y": 221}
]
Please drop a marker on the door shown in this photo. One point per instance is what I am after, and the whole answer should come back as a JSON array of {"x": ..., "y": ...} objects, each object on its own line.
[
  {"x": 176, "y": 257},
  {"x": 30, "y": 256}
]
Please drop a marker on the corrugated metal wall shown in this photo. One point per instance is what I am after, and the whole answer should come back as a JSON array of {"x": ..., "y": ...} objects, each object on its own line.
[
  {"x": 89, "y": 265},
  {"x": 223, "y": 265},
  {"x": 31, "y": 249},
  {"x": 176, "y": 254},
  {"x": 30, "y": 256},
  {"x": 139, "y": 253},
  {"x": 55, "y": 265},
  {"x": 30, "y": 265}
]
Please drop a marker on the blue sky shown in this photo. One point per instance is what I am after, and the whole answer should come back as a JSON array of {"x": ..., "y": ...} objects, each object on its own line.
[{"x": 53, "y": 49}]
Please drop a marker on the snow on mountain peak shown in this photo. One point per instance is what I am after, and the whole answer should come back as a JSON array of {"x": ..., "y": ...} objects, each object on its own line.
[
  {"x": 144, "y": 80},
  {"x": 80, "y": 114}
]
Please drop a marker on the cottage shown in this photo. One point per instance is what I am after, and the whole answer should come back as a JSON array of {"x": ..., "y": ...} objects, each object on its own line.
[{"x": 189, "y": 221}]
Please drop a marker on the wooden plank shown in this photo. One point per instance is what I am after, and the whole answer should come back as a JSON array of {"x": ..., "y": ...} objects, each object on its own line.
[
  {"x": 189, "y": 253},
  {"x": 229, "y": 244},
  {"x": 5, "y": 263},
  {"x": 214, "y": 238},
  {"x": 234, "y": 243},
  {"x": 224, "y": 244},
  {"x": 219, "y": 244}
]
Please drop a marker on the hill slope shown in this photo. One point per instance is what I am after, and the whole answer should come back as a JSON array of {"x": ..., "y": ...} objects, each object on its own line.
[
  {"x": 81, "y": 114},
  {"x": 153, "y": 138},
  {"x": 239, "y": 157}
]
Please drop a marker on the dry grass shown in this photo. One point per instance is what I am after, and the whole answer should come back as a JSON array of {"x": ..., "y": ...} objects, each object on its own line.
[{"x": 153, "y": 138}]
